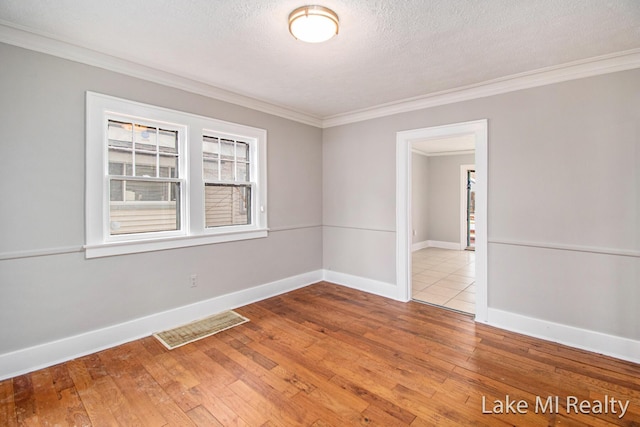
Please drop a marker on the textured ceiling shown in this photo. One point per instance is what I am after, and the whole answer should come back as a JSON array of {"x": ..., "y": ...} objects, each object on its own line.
[{"x": 386, "y": 50}]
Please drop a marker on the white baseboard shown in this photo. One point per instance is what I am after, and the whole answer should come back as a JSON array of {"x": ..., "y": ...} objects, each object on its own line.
[
  {"x": 41, "y": 356},
  {"x": 597, "y": 342},
  {"x": 48, "y": 354},
  {"x": 376, "y": 287},
  {"x": 454, "y": 246},
  {"x": 419, "y": 245}
]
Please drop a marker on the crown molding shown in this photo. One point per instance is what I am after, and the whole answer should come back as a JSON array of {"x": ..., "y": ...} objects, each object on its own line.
[
  {"x": 28, "y": 39},
  {"x": 605, "y": 64}
]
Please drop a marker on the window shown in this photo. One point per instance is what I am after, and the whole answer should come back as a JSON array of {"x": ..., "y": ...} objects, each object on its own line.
[
  {"x": 227, "y": 177},
  {"x": 159, "y": 179},
  {"x": 144, "y": 177}
]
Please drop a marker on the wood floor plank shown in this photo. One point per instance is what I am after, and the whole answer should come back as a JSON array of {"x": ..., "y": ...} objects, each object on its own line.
[
  {"x": 269, "y": 338},
  {"x": 123, "y": 410},
  {"x": 201, "y": 417},
  {"x": 61, "y": 378},
  {"x": 177, "y": 391},
  {"x": 396, "y": 412},
  {"x": 53, "y": 407},
  {"x": 590, "y": 367},
  {"x": 307, "y": 381},
  {"x": 250, "y": 362},
  {"x": 248, "y": 413},
  {"x": 511, "y": 372},
  {"x": 210, "y": 397},
  {"x": 175, "y": 370},
  {"x": 120, "y": 366},
  {"x": 327, "y": 355},
  {"x": 349, "y": 409},
  {"x": 143, "y": 381},
  {"x": 24, "y": 400},
  {"x": 7, "y": 404},
  {"x": 279, "y": 411},
  {"x": 323, "y": 416},
  {"x": 98, "y": 410},
  {"x": 76, "y": 413},
  {"x": 436, "y": 412}
]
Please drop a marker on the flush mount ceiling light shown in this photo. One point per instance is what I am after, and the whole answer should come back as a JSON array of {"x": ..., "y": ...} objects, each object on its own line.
[{"x": 313, "y": 24}]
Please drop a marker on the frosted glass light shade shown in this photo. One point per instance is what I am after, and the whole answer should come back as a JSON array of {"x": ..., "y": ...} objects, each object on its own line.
[{"x": 313, "y": 24}]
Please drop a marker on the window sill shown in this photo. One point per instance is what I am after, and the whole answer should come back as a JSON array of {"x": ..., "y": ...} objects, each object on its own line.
[{"x": 138, "y": 246}]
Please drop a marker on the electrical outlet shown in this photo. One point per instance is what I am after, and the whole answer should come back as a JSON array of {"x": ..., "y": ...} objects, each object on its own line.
[
  {"x": 415, "y": 233},
  {"x": 193, "y": 279}
]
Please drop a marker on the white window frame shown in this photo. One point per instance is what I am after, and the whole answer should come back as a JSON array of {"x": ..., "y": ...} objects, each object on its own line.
[{"x": 191, "y": 128}]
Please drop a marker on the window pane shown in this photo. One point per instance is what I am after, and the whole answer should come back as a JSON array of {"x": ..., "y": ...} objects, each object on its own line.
[
  {"x": 168, "y": 166},
  {"x": 227, "y": 205},
  {"x": 168, "y": 172},
  {"x": 210, "y": 145},
  {"x": 120, "y": 146},
  {"x": 116, "y": 191},
  {"x": 148, "y": 207},
  {"x": 116, "y": 168},
  {"x": 242, "y": 151},
  {"x": 226, "y": 169},
  {"x": 210, "y": 155},
  {"x": 227, "y": 149},
  {"x": 120, "y": 157},
  {"x": 210, "y": 168},
  {"x": 147, "y": 191},
  {"x": 120, "y": 134},
  {"x": 144, "y": 138},
  {"x": 243, "y": 172},
  {"x": 145, "y": 165},
  {"x": 168, "y": 141}
]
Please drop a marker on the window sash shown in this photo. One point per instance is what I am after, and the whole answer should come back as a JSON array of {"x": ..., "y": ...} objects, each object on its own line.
[
  {"x": 227, "y": 159},
  {"x": 134, "y": 217},
  {"x": 228, "y": 205}
]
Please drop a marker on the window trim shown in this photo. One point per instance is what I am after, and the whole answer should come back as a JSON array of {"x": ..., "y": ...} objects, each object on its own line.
[{"x": 193, "y": 232}]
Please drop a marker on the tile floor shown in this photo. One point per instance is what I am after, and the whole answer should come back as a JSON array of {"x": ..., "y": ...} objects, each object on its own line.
[{"x": 445, "y": 277}]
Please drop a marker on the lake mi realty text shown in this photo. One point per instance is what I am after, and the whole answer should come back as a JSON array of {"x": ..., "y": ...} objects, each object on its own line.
[{"x": 555, "y": 405}]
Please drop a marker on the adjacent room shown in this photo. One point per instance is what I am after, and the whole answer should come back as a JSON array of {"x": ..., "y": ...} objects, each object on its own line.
[
  {"x": 443, "y": 222},
  {"x": 409, "y": 213}
]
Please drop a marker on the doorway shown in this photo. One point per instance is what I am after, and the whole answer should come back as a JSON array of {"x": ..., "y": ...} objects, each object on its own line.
[
  {"x": 442, "y": 270},
  {"x": 478, "y": 130}
]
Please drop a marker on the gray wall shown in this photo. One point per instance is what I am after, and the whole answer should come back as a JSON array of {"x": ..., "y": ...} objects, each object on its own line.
[
  {"x": 44, "y": 298},
  {"x": 420, "y": 197},
  {"x": 564, "y": 175},
  {"x": 444, "y": 197},
  {"x": 358, "y": 184},
  {"x": 435, "y": 196}
]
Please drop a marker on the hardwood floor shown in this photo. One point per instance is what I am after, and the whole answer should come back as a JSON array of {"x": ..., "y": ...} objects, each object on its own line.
[{"x": 327, "y": 355}]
